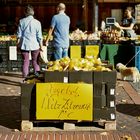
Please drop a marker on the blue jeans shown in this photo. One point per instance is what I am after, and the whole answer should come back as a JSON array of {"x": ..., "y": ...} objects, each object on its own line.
[
  {"x": 26, "y": 61},
  {"x": 60, "y": 53}
]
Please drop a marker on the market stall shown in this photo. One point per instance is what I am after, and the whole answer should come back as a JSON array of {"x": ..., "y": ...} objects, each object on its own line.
[
  {"x": 108, "y": 52},
  {"x": 70, "y": 94},
  {"x": 117, "y": 49},
  {"x": 120, "y": 51},
  {"x": 85, "y": 78},
  {"x": 12, "y": 60}
]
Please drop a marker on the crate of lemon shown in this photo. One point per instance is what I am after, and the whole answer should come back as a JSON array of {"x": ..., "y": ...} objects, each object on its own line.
[
  {"x": 88, "y": 63},
  {"x": 76, "y": 89}
]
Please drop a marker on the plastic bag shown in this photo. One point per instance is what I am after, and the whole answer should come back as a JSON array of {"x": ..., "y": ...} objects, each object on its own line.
[{"x": 43, "y": 55}]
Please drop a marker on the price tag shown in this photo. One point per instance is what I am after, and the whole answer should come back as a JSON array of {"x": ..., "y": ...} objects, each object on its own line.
[
  {"x": 112, "y": 104},
  {"x": 65, "y": 79},
  {"x": 112, "y": 116},
  {"x": 112, "y": 91}
]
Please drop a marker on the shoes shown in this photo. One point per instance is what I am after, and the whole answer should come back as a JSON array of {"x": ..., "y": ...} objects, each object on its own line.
[
  {"x": 36, "y": 74},
  {"x": 31, "y": 76}
]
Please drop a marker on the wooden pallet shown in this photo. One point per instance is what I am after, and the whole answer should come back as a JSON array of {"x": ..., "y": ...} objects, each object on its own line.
[{"x": 67, "y": 126}]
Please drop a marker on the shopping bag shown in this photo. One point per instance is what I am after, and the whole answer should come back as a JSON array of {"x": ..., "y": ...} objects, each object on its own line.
[
  {"x": 43, "y": 55},
  {"x": 19, "y": 44}
]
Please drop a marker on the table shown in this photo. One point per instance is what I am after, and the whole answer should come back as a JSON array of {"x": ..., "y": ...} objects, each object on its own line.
[
  {"x": 108, "y": 52},
  {"x": 119, "y": 53}
]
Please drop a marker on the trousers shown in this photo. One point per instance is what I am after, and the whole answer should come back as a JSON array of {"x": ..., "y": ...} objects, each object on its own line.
[
  {"x": 60, "y": 53},
  {"x": 26, "y": 61}
]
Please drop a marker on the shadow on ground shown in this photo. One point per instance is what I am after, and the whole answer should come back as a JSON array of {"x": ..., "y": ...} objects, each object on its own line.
[
  {"x": 10, "y": 112},
  {"x": 9, "y": 82},
  {"x": 17, "y": 75},
  {"x": 129, "y": 109}
]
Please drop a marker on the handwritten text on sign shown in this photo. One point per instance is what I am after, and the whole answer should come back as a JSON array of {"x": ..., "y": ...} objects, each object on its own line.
[{"x": 64, "y": 101}]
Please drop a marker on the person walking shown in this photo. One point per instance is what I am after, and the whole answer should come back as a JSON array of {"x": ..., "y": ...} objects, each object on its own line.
[
  {"x": 29, "y": 39},
  {"x": 60, "y": 30}
]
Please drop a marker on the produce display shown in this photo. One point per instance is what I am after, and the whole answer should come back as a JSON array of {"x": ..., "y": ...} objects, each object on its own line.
[
  {"x": 110, "y": 36},
  {"x": 66, "y": 64},
  {"x": 85, "y": 64},
  {"x": 8, "y": 38},
  {"x": 80, "y": 35}
]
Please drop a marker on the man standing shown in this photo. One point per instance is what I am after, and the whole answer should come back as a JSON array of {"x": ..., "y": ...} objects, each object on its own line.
[
  {"x": 60, "y": 29},
  {"x": 29, "y": 36}
]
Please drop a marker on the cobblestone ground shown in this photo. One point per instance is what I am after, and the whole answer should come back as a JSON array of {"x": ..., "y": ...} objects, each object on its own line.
[
  {"x": 10, "y": 101},
  {"x": 127, "y": 111}
]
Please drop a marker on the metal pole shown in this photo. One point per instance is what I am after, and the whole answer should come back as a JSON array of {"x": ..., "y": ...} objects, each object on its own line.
[
  {"x": 95, "y": 16},
  {"x": 85, "y": 4}
]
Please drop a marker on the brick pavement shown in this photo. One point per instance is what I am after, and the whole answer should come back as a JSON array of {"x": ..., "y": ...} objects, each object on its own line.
[
  {"x": 127, "y": 111},
  {"x": 70, "y": 136}
]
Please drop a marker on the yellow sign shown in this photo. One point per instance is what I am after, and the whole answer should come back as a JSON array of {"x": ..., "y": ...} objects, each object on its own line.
[
  {"x": 92, "y": 50},
  {"x": 75, "y": 51},
  {"x": 64, "y": 101}
]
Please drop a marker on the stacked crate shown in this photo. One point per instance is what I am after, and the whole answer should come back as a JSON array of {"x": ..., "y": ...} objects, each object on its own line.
[
  {"x": 4, "y": 66},
  {"x": 104, "y": 85},
  {"x": 28, "y": 101},
  {"x": 14, "y": 64}
]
